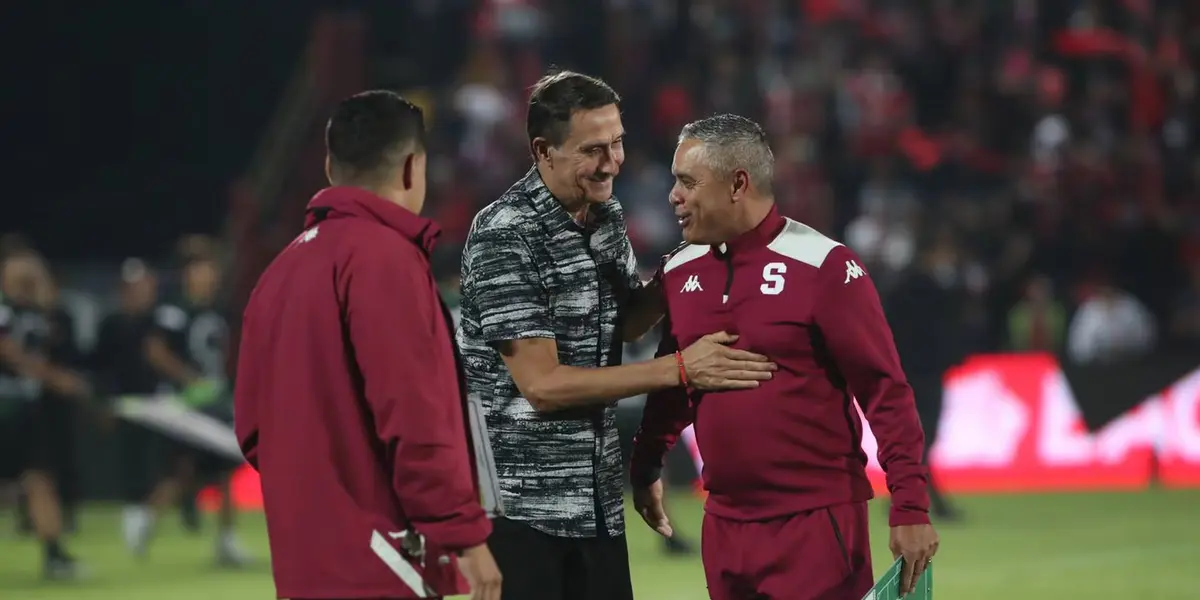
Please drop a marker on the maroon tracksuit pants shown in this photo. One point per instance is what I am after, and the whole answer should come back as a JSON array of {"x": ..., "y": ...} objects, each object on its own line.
[{"x": 824, "y": 554}]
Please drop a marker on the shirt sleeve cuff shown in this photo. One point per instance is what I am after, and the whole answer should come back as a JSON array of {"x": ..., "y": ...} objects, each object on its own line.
[{"x": 900, "y": 517}]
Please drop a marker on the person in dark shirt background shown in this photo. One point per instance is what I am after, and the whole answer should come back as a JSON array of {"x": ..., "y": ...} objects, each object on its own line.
[
  {"x": 187, "y": 347},
  {"x": 148, "y": 486},
  {"x": 924, "y": 308},
  {"x": 62, "y": 410},
  {"x": 27, "y": 438}
]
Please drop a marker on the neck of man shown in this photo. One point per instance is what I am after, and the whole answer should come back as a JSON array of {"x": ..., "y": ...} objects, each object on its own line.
[
  {"x": 397, "y": 195},
  {"x": 575, "y": 206},
  {"x": 751, "y": 216}
]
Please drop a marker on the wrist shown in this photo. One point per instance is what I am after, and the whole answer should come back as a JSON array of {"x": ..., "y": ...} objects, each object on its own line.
[
  {"x": 682, "y": 368},
  {"x": 644, "y": 476},
  {"x": 666, "y": 371},
  {"x": 900, "y": 517}
]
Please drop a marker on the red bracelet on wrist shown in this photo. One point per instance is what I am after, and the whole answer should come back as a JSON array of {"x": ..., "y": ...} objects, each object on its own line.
[{"x": 683, "y": 379}]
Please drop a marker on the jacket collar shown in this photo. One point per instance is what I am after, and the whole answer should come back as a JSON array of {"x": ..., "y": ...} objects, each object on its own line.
[
  {"x": 351, "y": 202},
  {"x": 551, "y": 212},
  {"x": 762, "y": 234}
]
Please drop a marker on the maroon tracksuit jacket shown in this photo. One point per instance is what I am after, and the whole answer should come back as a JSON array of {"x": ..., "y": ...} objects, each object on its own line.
[
  {"x": 793, "y": 444},
  {"x": 350, "y": 405}
]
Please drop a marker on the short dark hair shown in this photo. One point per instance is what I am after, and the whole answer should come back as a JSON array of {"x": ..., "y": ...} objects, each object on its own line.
[
  {"x": 372, "y": 131},
  {"x": 557, "y": 96}
]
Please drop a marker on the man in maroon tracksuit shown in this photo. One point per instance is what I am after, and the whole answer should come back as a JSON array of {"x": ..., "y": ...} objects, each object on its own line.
[
  {"x": 786, "y": 516},
  {"x": 349, "y": 399}
]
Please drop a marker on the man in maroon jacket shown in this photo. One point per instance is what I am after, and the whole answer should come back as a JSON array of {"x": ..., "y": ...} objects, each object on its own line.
[
  {"x": 786, "y": 516},
  {"x": 349, "y": 399}
]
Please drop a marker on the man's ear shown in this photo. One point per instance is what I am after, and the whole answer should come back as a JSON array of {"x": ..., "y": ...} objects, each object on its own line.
[
  {"x": 740, "y": 185},
  {"x": 329, "y": 169},
  {"x": 540, "y": 149},
  {"x": 407, "y": 172}
]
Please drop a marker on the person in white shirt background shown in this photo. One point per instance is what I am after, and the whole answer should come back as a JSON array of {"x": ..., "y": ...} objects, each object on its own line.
[{"x": 1110, "y": 326}]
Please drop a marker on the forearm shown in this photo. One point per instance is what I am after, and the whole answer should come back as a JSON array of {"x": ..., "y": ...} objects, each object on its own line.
[
  {"x": 167, "y": 365},
  {"x": 565, "y": 387},
  {"x": 643, "y": 311}
]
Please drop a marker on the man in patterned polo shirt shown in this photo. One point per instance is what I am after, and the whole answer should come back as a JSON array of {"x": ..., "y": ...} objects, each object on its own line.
[{"x": 550, "y": 292}]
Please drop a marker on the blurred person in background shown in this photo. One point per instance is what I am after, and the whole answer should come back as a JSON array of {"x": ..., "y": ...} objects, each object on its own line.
[
  {"x": 883, "y": 233},
  {"x": 643, "y": 186},
  {"x": 1038, "y": 322},
  {"x": 1110, "y": 326},
  {"x": 1185, "y": 315},
  {"x": 187, "y": 348},
  {"x": 925, "y": 309},
  {"x": 62, "y": 410},
  {"x": 27, "y": 437},
  {"x": 119, "y": 359}
]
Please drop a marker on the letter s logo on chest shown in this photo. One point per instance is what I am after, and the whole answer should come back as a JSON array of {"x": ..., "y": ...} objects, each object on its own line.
[{"x": 773, "y": 278}]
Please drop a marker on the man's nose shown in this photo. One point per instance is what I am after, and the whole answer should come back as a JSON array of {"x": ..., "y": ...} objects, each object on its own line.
[{"x": 609, "y": 165}]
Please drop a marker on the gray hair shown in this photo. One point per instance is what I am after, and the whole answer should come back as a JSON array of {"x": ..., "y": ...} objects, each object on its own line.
[{"x": 733, "y": 142}]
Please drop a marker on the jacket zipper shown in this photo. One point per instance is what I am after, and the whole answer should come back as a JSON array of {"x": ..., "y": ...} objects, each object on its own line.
[
  {"x": 837, "y": 533},
  {"x": 727, "y": 256}
]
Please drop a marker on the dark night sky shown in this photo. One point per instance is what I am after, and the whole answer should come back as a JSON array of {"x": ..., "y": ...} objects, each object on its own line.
[{"x": 126, "y": 120}]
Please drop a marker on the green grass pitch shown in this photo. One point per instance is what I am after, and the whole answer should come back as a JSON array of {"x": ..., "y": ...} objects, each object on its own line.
[{"x": 1038, "y": 547}]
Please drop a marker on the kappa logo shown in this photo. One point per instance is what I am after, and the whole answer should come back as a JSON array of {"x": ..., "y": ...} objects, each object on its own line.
[
  {"x": 692, "y": 284},
  {"x": 853, "y": 271}
]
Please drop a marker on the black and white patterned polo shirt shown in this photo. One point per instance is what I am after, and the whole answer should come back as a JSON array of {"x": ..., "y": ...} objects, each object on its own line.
[{"x": 530, "y": 271}]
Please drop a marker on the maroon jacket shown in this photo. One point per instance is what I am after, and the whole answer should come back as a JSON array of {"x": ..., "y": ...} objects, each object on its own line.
[
  {"x": 349, "y": 404},
  {"x": 794, "y": 443}
]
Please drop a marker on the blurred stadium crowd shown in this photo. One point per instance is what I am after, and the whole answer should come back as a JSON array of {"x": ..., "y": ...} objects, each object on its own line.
[
  {"x": 1047, "y": 149},
  {"x": 1032, "y": 164}
]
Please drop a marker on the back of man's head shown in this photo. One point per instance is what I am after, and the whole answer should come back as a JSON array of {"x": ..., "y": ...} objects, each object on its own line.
[
  {"x": 369, "y": 137},
  {"x": 559, "y": 95},
  {"x": 734, "y": 143}
]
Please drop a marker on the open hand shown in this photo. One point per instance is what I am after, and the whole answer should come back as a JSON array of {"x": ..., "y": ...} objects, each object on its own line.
[
  {"x": 712, "y": 365},
  {"x": 648, "y": 500},
  {"x": 917, "y": 544}
]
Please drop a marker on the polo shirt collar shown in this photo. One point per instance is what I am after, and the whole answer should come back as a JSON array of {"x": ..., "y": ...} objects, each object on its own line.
[
  {"x": 551, "y": 212},
  {"x": 762, "y": 234}
]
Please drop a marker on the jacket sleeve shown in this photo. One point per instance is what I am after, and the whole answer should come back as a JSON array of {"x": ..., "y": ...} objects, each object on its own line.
[
  {"x": 245, "y": 392},
  {"x": 391, "y": 307},
  {"x": 666, "y": 414},
  {"x": 849, "y": 316}
]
